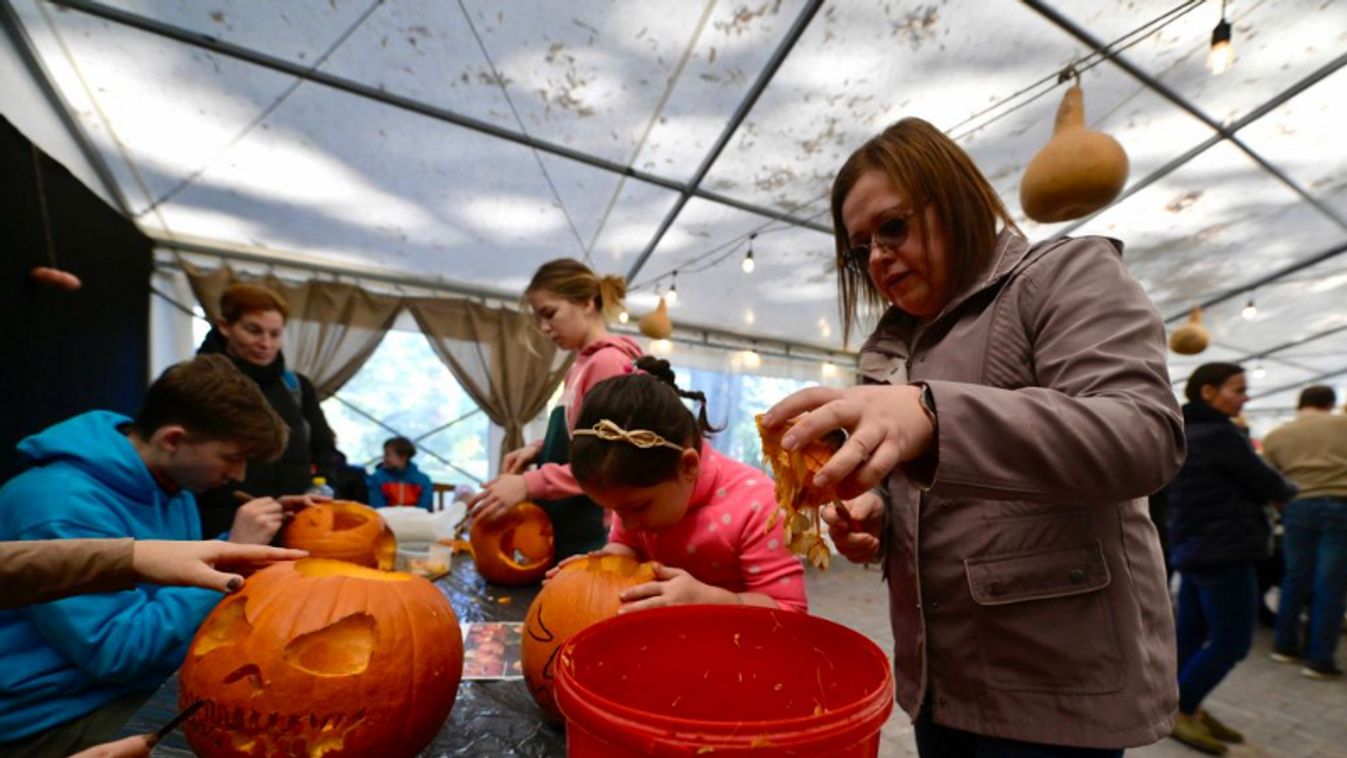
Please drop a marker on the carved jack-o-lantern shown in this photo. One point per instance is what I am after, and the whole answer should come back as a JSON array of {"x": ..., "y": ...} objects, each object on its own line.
[
  {"x": 344, "y": 531},
  {"x": 582, "y": 592},
  {"x": 516, "y": 548},
  {"x": 323, "y": 659}
]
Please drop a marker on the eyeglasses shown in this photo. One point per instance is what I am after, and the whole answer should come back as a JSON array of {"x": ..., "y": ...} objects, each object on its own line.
[{"x": 890, "y": 235}]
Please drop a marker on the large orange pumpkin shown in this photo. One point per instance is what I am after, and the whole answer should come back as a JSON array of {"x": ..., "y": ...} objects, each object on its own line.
[
  {"x": 584, "y": 591},
  {"x": 516, "y": 548},
  {"x": 344, "y": 531},
  {"x": 323, "y": 658}
]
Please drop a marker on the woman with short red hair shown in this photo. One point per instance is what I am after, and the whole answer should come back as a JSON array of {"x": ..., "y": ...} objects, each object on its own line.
[{"x": 250, "y": 333}]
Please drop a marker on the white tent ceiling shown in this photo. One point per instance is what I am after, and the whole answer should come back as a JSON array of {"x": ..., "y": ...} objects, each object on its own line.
[{"x": 468, "y": 141}]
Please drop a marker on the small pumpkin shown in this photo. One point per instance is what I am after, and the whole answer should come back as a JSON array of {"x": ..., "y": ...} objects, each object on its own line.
[
  {"x": 656, "y": 324},
  {"x": 1191, "y": 338},
  {"x": 1077, "y": 172},
  {"x": 344, "y": 531},
  {"x": 516, "y": 548},
  {"x": 323, "y": 658},
  {"x": 583, "y": 592}
]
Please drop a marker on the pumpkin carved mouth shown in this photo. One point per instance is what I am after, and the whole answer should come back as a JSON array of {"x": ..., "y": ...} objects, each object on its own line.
[{"x": 256, "y": 732}]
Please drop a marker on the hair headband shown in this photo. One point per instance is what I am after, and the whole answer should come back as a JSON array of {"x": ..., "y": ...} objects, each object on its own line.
[{"x": 607, "y": 431}]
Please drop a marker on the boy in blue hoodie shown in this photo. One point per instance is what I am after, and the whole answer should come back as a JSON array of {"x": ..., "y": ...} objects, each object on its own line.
[
  {"x": 75, "y": 669},
  {"x": 397, "y": 481}
]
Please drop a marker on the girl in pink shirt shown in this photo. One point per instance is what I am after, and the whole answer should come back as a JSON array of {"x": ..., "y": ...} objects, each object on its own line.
[
  {"x": 571, "y": 306},
  {"x": 639, "y": 452}
]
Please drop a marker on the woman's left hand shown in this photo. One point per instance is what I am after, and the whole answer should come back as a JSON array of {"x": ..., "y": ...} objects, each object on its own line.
[
  {"x": 672, "y": 586},
  {"x": 498, "y": 496},
  {"x": 885, "y": 424}
]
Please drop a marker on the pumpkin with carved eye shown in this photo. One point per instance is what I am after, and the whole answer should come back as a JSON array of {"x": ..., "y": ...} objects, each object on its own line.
[
  {"x": 343, "y": 531},
  {"x": 516, "y": 548},
  {"x": 323, "y": 659},
  {"x": 583, "y": 592}
]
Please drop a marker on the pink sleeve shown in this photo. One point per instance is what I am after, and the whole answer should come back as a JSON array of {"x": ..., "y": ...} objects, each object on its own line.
[
  {"x": 551, "y": 481},
  {"x": 769, "y": 567}
]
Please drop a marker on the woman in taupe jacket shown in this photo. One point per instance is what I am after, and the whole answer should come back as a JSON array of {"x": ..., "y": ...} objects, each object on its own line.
[{"x": 1016, "y": 412}]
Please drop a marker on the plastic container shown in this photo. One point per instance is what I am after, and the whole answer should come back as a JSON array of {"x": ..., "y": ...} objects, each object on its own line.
[
  {"x": 429, "y": 560},
  {"x": 712, "y": 679}
]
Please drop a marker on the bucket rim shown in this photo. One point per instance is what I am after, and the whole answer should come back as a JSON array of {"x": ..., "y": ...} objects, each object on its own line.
[{"x": 861, "y": 709}]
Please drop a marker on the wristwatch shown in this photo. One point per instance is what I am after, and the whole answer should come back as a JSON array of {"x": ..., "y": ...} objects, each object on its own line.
[{"x": 928, "y": 405}]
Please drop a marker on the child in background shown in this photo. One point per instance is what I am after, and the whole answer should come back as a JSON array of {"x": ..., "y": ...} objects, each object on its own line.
[
  {"x": 639, "y": 452},
  {"x": 397, "y": 481}
]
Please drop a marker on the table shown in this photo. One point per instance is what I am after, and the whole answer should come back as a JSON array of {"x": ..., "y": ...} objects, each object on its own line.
[{"x": 489, "y": 718}]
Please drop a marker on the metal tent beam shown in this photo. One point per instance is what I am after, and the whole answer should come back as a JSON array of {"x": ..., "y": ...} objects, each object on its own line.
[
  {"x": 1312, "y": 380},
  {"x": 351, "y": 87},
  {"x": 740, "y": 113},
  {"x": 1287, "y": 270},
  {"x": 9, "y": 19},
  {"x": 711, "y": 336}
]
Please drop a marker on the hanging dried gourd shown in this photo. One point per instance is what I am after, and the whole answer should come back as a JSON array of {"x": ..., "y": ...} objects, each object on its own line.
[
  {"x": 1078, "y": 172},
  {"x": 1191, "y": 338},
  {"x": 656, "y": 324}
]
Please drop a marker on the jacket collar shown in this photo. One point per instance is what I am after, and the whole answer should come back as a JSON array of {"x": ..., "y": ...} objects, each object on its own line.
[
  {"x": 1201, "y": 413},
  {"x": 893, "y": 334}
]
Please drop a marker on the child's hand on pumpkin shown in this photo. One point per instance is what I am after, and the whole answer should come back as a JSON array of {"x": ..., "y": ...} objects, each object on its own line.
[
  {"x": 672, "y": 586},
  {"x": 498, "y": 496}
]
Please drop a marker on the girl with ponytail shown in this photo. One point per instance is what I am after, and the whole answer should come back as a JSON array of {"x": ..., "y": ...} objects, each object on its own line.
[
  {"x": 639, "y": 452},
  {"x": 571, "y": 306}
]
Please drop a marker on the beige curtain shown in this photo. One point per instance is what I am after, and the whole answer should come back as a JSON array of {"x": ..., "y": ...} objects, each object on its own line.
[
  {"x": 333, "y": 327},
  {"x": 506, "y": 366}
]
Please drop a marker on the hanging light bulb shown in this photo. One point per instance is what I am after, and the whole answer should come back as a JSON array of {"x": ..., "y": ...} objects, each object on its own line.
[
  {"x": 750, "y": 359},
  {"x": 1221, "y": 56},
  {"x": 671, "y": 297},
  {"x": 828, "y": 370},
  {"x": 748, "y": 264},
  {"x": 750, "y": 316},
  {"x": 824, "y": 328},
  {"x": 1250, "y": 311},
  {"x": 623, "y": 317},
  {"x": 1259, "y": 371},
  {"x": 661, "y": 347}
]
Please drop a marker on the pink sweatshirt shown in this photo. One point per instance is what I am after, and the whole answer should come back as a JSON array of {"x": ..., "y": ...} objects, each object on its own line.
[
  {"x": 604, "y": 358},
  {"x": 723, "y": 540}
]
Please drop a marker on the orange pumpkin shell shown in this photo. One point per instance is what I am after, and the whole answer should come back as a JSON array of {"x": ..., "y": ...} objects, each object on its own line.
[
  {"x": 516, "y": 548},
  {"x": 323, "y": 658},
  {"x": 797, "y": 499},
  {"x": 583, "y": 592},
  {"x": 343, "y": 531}
]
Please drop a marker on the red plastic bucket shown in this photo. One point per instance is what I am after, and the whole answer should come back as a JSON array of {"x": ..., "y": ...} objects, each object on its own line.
[{"x": 722, "y": 679}]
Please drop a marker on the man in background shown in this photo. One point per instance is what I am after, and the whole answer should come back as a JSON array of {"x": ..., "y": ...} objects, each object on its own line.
[{"x": 1312, "y": 451}]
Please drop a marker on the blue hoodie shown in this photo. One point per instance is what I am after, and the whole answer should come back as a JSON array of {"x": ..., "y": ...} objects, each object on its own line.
[
  {"x": 406, "y": 487},
  {"x": 66, "y": 658}
]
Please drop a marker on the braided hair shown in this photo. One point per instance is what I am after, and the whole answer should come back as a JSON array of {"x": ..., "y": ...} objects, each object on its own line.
[{"x": 651, "y": 400}]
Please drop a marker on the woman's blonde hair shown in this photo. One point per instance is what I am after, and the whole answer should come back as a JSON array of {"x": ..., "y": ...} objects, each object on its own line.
[
  {"x": 571, "y": 279},
  {"x": 933, "y": 170}
]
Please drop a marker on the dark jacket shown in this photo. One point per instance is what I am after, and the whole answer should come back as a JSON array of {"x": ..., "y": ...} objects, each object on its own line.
[
  {"x": 312, "y": 450},
  {"x": 1027, "y": 590},
  {"x": 1216, "y": 503}
]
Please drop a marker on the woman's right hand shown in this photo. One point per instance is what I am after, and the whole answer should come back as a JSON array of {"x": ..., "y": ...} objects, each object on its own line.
[
  {"x": 856, "y": 531},
  {"x": 517, "y": 460}
]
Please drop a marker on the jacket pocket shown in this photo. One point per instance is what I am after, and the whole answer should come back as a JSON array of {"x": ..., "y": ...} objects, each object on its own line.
[{"x": 1044, "y": 622}]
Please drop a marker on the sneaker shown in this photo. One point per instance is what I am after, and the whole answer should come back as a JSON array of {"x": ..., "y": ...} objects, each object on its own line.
[
  {"x": 1192, "y": 732},
  {"x": 1218, "y": 730},
  {"x": 1328, "y": 670},
  {"x": 1286, "y": 656}
]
